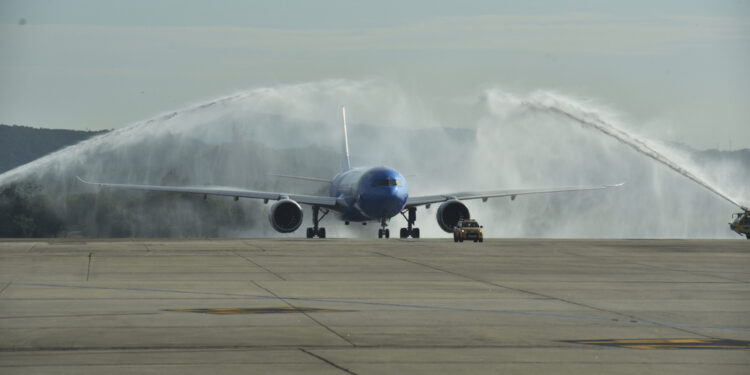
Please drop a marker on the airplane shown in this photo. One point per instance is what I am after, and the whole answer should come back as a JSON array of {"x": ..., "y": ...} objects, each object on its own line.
[{"x": 358, "y": 195}]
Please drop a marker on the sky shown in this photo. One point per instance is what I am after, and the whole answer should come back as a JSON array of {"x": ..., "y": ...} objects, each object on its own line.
[{"x": 678, "y": 70}]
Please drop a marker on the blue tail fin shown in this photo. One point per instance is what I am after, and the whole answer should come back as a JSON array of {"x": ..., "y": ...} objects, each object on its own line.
[{"x": 347, "y": 162}]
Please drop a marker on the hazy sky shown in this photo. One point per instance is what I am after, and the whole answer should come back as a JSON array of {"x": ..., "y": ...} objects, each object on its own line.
[{"x": 676, "y": 69}]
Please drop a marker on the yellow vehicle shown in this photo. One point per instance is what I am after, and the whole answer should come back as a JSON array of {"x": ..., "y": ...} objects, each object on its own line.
[
  {"x": 741, "y": 224},
  {"x": 468, "y": 229}
]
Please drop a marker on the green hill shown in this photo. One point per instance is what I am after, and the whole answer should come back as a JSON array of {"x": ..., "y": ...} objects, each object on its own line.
[{"x": 22, "y": 144}]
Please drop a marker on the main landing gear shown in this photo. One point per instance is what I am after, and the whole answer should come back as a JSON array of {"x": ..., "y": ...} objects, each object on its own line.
[
  {"x": 409, "y": 231},
  {"x": 383, "y": 231},
  {"x": 405, "y": 232},
  {"x": 315, "y": 231}
]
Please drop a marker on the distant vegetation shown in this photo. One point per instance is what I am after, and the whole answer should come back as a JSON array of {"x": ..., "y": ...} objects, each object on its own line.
[
  {"x": 24, "y": 212},
  {"x": 22, "y": 144},
  {"x": 151, "y": 214}
]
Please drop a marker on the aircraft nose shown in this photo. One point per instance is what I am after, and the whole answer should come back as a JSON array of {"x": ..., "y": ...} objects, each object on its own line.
[{"x": 385, "y": 201}]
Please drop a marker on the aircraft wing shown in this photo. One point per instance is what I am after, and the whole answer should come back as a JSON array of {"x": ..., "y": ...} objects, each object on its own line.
[
  {"x": 314, "y": 200},
  {"x": 484, "y": 195}
]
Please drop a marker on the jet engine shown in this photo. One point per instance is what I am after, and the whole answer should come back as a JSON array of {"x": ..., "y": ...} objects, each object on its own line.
[
  {"x": 449, "y": 213},
  {"x": 285, "y": 216}
]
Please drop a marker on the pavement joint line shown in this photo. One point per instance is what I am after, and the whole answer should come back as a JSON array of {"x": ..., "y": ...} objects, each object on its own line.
[
  {"x": 632, "y": 318},
  {"x": 329, "y": 329},
  {"x": 5, "y": 287},
  {"x": 73, "y": 315},
  {"x": 403, "y": 362},
  {"x": 19, "y": 349},
  {"x": 248, "y": 243},
  {"x": 328, "y": 362},
  {"x": 401, "y": 305},
  {"x": 259, "y": 266},
  {"x": 704, "y": 273},
  {"x": 144, "y": 364},
  {"x": 242, "y": 348},
  {"x": 651, "y": 344}
]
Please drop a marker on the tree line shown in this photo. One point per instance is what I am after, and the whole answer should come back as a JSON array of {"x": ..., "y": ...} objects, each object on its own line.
[{"x": 27, "y": 212}]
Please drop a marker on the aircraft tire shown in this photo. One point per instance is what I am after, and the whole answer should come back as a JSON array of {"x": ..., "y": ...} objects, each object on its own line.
[
  {"x": 455, "y": 238},
  {"x": 403, "y": 233},
  {"x": 387, "y": 233},
  {"x": 460, "y": 239},
  {"x": 380, "y": 233},
  {"x": 310, "y": 233},
  {"x": 322, "y": 233},
  {"x": 415, "y": 233}
]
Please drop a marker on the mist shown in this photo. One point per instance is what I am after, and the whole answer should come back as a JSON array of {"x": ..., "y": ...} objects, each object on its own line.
[{"x": 505, "y": 140}]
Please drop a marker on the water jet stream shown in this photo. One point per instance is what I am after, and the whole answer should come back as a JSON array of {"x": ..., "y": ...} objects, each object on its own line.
[
  {"x": 593, "y": 120},
  {"x": 510, "y": 141}
]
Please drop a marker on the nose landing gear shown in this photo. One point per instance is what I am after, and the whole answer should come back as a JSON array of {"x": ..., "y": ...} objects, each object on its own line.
[{"x": 383, "y": 231}]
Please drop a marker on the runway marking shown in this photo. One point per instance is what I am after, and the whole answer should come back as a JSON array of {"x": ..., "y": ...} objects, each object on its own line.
[
  {"x": 388, "y": 304},
  {"x": 669, "y": 343},
  {"x": 88, "y": 270},
  {"x": 256, "y": 310}
]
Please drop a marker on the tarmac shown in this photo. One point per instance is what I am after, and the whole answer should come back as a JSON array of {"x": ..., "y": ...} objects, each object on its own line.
[{"x": 355, "y": 306}]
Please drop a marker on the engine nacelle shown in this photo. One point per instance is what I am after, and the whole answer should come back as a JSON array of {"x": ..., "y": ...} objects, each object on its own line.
[
  {"x": 449, "y": 213},
  {"x": 285, "y": 216}
]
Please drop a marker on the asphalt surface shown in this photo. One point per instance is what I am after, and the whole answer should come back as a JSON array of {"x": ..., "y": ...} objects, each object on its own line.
[{"x": 340, "y": 306}]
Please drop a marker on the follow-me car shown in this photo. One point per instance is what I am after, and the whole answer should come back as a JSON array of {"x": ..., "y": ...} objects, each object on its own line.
[{"x": 358, "y": 195}]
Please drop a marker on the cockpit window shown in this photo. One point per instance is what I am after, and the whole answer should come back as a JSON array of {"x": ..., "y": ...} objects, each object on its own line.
[{"x": 392, "y": 182}]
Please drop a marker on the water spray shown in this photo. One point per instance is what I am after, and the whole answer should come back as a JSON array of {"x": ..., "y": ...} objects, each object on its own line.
[
  {"x": 594, "y": 121},
  {"x": 238, "y": 140}
]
